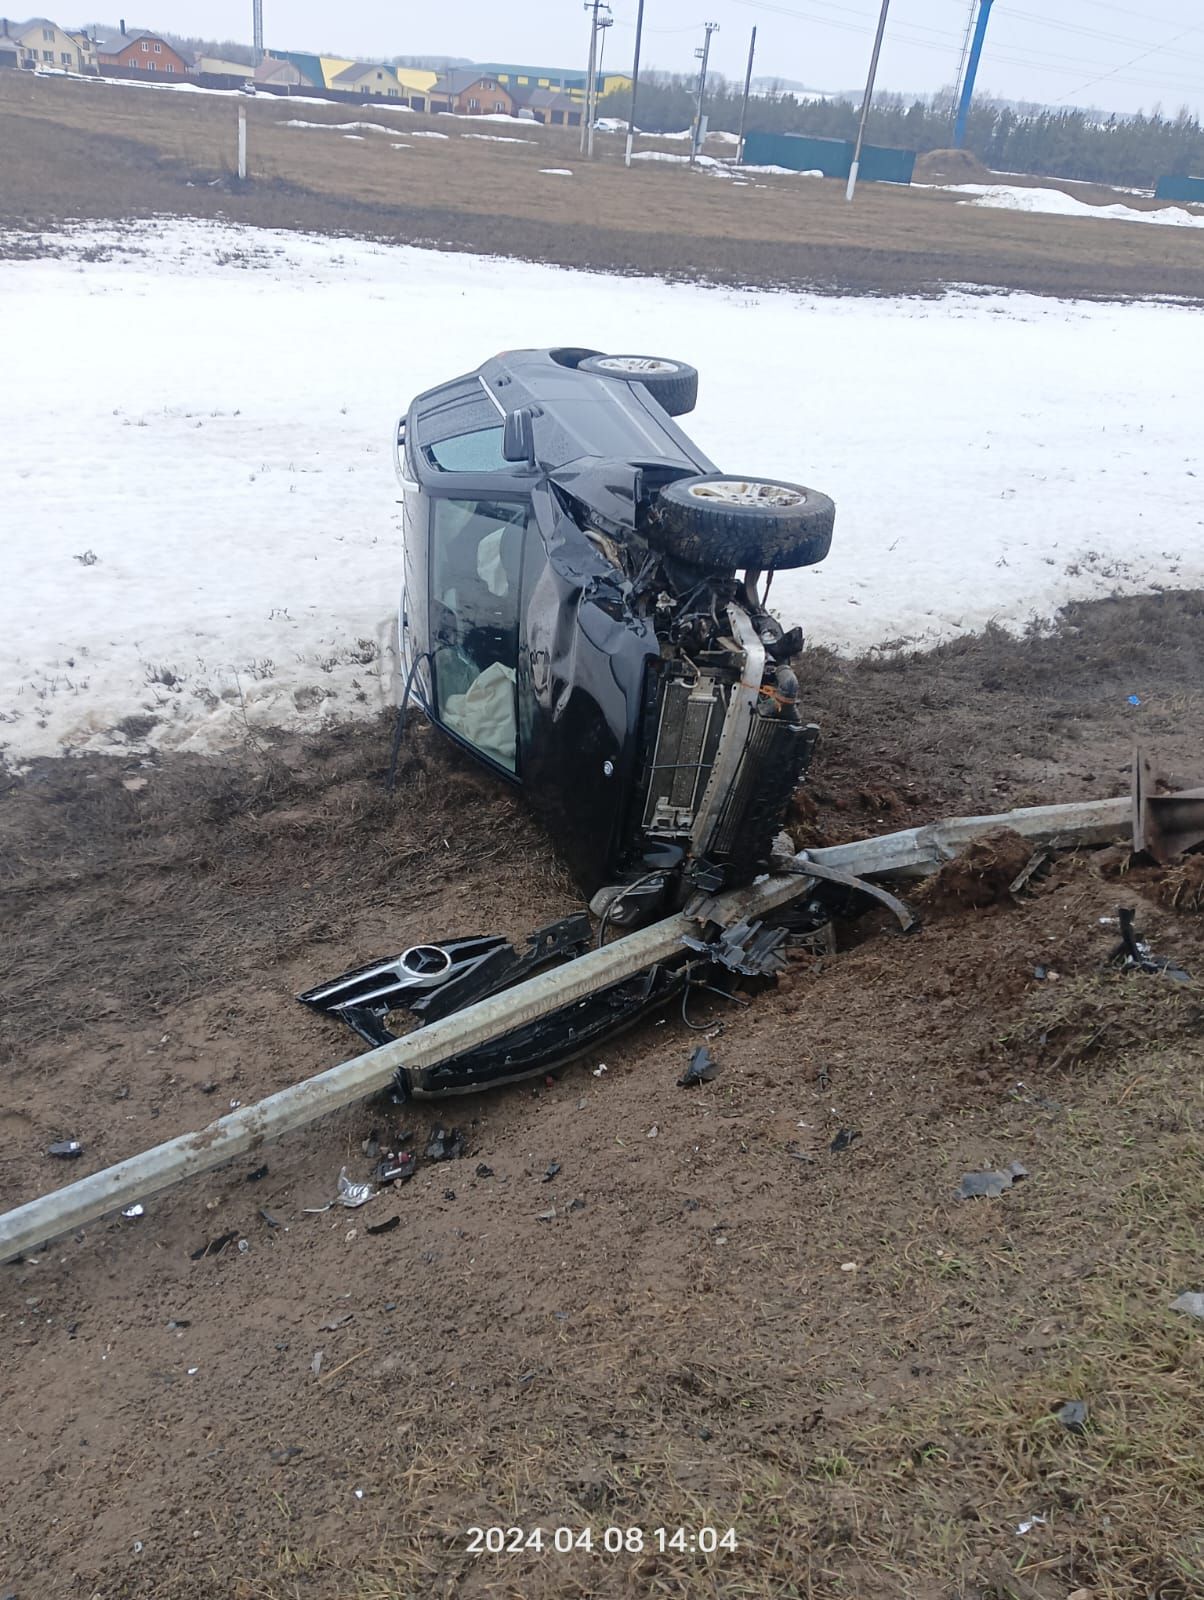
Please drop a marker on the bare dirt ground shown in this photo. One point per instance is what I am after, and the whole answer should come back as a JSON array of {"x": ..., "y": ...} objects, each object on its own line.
[
  {"x": 726, "y": 1323},
  {"x": 95, "y": 150}
]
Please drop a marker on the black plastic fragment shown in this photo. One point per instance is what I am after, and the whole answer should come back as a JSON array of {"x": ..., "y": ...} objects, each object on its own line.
[
  {"x": 395, "y": 1167},
  {"x": 446, "y": 1144},
  {"x": 66, "y": 1149},
  {"x": 483, "y": 1171},
  {"x": 748, "y": 947},
  {"x": 215, "y": 1246},
  {"x": 384, "y": 1227},
  {"x": 258, "y": 1175},
  {"x": 990, "y": 1185},
  {"x": 552, "y": 1169},
  {"x": 844, "y": 1139},
  {"x": 703, "y": 1067}
]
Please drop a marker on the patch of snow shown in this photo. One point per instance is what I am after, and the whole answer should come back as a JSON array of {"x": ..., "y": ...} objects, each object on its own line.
[
  {"x": 556, "y": 172},
  {"x": 223, "y": 547},
  {"x": 340, "y": 127},
  {"x": 428, "y": 133},
  {"x": 720, "y": 136},
  {"x": 484, "y": 116},
  {"x": 498, "y": 138},
  {"x": 783, "y": 172},
  {"x": 1057, "y": 203},
  {"x": 665, "y": 155},
  {"x": 611, "y": 125}
]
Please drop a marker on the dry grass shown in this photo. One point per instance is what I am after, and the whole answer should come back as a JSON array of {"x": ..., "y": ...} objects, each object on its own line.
[{"x": 79, "y": 149}]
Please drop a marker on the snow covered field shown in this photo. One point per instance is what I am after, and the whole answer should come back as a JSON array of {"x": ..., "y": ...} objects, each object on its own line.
[{"x": 200, "y": 513}]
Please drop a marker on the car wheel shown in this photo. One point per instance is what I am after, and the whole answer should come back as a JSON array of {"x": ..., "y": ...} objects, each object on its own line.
[
  {"x": 730, "y": 522},
  {"x": 671, "y": 384}
]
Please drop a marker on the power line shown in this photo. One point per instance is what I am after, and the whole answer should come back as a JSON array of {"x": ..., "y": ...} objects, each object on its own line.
[{"x": 1155, "y": 50}]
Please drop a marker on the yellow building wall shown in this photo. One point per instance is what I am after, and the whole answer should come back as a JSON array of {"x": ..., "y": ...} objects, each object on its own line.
[{"x": 32, "y": 38}]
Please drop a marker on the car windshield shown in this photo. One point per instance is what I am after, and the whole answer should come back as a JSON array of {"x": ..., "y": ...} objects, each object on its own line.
[{"x": 470, "y": 452}]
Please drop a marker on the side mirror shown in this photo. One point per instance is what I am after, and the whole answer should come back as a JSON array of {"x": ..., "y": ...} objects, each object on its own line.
[{"x": 518, "y": 436}]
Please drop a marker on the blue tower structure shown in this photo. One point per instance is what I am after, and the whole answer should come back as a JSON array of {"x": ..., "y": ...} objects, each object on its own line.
[{"x": 963, "y": 107}]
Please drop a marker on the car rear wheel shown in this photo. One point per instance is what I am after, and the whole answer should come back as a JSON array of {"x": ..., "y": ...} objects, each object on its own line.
[
  {"x": 724, "y": 521},
  {"x": 672, "y": 384}
]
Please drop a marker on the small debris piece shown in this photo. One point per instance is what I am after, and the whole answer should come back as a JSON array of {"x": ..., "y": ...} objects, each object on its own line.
[
  {"x": 192, "y": 1371},
  {"x": 546, "y": 1216},
  {"x": 848, "y": 1266},
  {"x": 702, "y": 1068},
  {"x": 268, "y": 1218},
  {"x": 396, "y": 1167},
  {"x": 844, "y": 1139},
  {"x": 1030, "y": 1523},
  {"x": 359, "y": 1494},
  {"x": 483, "y": 1171},
  {"x": 1133, "y": 700},
  {"x": 215, "y": 1246},
  {"x": 599, "y": 1069},
  {"x": 1133, "y": 954},
  {"x": 990, "y": 1185},
  {"x": 748, "y": 948},
  {"x": 243, "y": 1246},
  {"x": 449, "y": 1194},
  {"x": 178, "y": 1322},
  {"x": 795, "y": 1154},
  {"x": 1073, "y": 1416},
  {"x": 336, "y": 1323},
  {"x": 283, "y": 1457},
  {"x": 577, "y": 1204},
  {"x": 371, "y": 1145},
  {"x": 1040, "y": 858},
  {"x": 206, "y": 1088},
  {"x": 351, "y": 1194},
  {"x": 384, "y": 1227},
  {"x": 446, "y": 1144},
  {"x": 1192, "y": 1303},
  {"x": 315, "y": 1365},
  {"x": 67, "y": 1149},
  {"x": 133, "y": 1211},
  {"x": 258, "y": 1175},
  {"x": 653, "y": 1132},
  {"x": 552, "y": 1169}
]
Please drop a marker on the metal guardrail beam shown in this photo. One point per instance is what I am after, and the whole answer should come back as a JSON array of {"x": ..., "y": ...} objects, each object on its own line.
[{"x": 911, "y": 852}]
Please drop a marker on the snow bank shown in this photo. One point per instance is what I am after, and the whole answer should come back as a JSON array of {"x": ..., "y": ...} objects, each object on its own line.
[
  {"x": 556, "y": 172},
  {"x": 211, "y": 536},
  {"x": 681, "y": 161},
  {"x": 1057, "y": 203},
  {"x": 427, "y": 133},
  {"x": 497, "y": 138}
]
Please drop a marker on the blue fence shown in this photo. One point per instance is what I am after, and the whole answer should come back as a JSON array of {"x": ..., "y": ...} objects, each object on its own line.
[{"x": 833, "y": 157}]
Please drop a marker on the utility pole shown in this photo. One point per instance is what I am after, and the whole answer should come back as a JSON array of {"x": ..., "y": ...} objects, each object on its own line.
[
  {"x": 704, "y": 54},
  {"x": 603, "y": 24},
  {"x": 587, "y": 122},
  {"x": 752, "y": 48},
  {"x": 242, "y": 141},
  {"x": 257, "y": 29},
  {"x": 963, "y": 108},
  {"x": 635, "y": 81},
  {"x": 865, "y": 104}
]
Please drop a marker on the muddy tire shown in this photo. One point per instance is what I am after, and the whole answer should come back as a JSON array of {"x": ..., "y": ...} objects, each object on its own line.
[
  {"x": 723, "y": 521},
  {"x": 671, "y": 384}
]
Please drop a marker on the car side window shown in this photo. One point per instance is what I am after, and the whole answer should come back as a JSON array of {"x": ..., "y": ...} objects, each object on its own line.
[
  {"x": 480, "y": 451},
  {"x": 475, "y": 578}
]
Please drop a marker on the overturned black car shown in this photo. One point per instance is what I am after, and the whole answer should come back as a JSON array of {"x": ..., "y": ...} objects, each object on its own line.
[{"x": 582, "y": 611}]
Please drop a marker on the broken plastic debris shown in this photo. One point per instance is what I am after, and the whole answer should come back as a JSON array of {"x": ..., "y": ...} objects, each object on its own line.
[
  {"x": 483, "y": 1171},
  {"x": 552, "y": 1169},
  {"x": 258, "y": 1174},
  {"x": 192, "y": 1371},
  {"x": 68, "y": 1149},
  {"x": 359, "y": 1494},
  {"x": 1030, "y": 1523},
  {"x": 848, "y": 1266},
  {"x": 1073, "y": 1416},
  {"x": 844, "y": 1139},
  {"x": 396, "y": 1167},
  {"x": 546, "y": 1216},
  {"x": 353, "y": 1194},
  {"x": 1134, "y": 700},
  {"x": 653, "y": 1132},
  {"x": 336, "y": 1323},
  {"x": 384, "y": 1227},
  {"x": 315, "y": 1365},
  {"x": 133, "y": 1211},
  {"x": 599, "y": 1069},
  {"x": 243, "y": 1246},
  {"x": 1192, "y": 1303},
  {"x": 703, "y": 1067},
  {"x": 446, "y": 1144},
  {"x": 990, "y": 1185}
]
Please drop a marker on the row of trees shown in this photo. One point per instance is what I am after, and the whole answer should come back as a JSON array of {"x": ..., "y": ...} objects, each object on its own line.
[{"x": 1085, "y": 145}]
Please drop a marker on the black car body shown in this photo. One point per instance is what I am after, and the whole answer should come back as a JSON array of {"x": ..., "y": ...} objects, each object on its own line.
[{"x": 580, "y": 612}]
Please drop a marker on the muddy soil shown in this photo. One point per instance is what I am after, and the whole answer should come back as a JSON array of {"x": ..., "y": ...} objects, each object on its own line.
[{"x": 706, "y": 1315}]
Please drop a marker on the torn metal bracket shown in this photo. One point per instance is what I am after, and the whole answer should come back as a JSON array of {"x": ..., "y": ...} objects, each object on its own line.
[{"x": 748, "y": 947}]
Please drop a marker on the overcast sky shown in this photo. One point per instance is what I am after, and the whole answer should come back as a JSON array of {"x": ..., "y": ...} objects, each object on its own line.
[{"x": 1116, "y": 54}]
